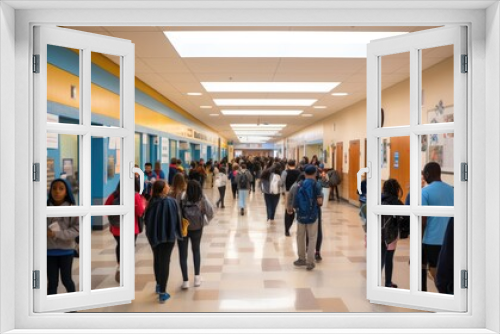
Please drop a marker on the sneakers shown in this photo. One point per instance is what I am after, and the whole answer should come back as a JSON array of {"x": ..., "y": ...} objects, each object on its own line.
[
  {"x": 318, "y": 257},
  {"x": 287, "y": 233},
  {"x": 242, "y": 211},
  {"x": 392, "y": 285},
  {"x": 197, "y": 280},
  {"x": 300, "y": 263},
  {"x": 163, "y": 297},
  {"x": 185, "y": 285},
  {"x": 157, "y": 290},
  {"x": 310, "y": 266}
]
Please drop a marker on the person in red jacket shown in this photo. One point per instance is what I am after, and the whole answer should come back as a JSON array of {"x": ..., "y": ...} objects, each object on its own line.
[{"x": 115, "y": 230}]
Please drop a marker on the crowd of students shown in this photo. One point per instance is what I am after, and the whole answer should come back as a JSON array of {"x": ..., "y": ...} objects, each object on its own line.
[{"x": 175, "y": 210}]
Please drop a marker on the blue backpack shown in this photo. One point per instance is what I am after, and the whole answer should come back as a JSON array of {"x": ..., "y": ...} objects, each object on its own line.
[{"x": 306, "y": 202}]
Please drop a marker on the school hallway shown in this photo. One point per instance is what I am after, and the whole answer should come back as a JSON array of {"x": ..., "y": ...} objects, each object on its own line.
[{"x": 247, "y": 266}]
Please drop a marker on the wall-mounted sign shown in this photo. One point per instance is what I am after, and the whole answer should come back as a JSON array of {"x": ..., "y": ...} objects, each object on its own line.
[{"x": 165, "y": 156}]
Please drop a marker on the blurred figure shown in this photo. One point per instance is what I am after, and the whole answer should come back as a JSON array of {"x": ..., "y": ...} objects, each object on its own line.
[
  {"x": 160, "y": 175},
  {"x": 220, "y": 184},
  {"x": 61, "y": 234},
  {"x": 433, "y": 228},
  {"x": 243, "y": 180}
]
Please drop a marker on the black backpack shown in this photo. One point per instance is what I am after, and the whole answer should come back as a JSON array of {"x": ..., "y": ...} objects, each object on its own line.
[
  {"x": 115, "y": 220},
  {"x": 243, "y": 181},
  {"x": 192, "y": 212}
]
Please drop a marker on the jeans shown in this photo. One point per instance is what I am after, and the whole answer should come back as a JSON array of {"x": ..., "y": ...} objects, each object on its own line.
[
  {"x": 387, "y": 261},
  {"x": 161, "y": 258},
  {"x": 54, "y": 265},
  {"x": 272, "y": 201},
  {"x": 289, "y": 220},
  {"x": 222, "y": 193},
  {"x": 319, "y": 239},
  {"x": 234, "y": 188},
  {"x": 195, "y": 236},
  {"x": 242, "y": 198},
  {"x": 117, "y": 249},
  {"x": 309, "y": 232}
]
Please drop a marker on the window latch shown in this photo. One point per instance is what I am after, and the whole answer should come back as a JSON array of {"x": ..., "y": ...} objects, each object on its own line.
[{"x": 36, "y": 279}]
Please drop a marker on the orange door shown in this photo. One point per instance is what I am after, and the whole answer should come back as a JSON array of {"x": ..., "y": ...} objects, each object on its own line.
[{"x": 354, "y": 153}]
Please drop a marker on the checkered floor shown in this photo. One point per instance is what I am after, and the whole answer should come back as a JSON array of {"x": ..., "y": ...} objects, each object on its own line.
[{"x": 247, "y": 266}]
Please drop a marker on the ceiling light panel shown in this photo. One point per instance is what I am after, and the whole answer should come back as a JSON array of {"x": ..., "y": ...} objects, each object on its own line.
[
  {"x": 340, "y": 94},
  {"x": 261, "y": 112},
  {"x": 279, "y": 44},
  {"x": 257, "y": 125},
  {"x": 259, "y": 133},
  {"x": 265, "y": 102},
  {"x": 270, "y": 87}
]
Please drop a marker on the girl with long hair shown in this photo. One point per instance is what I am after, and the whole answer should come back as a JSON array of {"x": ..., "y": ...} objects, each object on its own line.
[{"x": 271, "y": 187}]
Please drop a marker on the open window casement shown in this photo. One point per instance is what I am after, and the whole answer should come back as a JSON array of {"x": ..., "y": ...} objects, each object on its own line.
[
  {"x": 83, "y": 129},
  {"x": 435, "y": 131}
]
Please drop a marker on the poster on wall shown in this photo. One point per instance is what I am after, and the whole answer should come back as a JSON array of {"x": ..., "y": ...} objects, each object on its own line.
[
  {"x": 68, "y": 166},
  {"x": 51, "y": 173},
  {"x": 165, "y": 159},
  {"x": 187, "y": 157},
  {"x": 117, "y": 162},
  {"x": 440, "y": 146},
  {"x": 111, "y": 166}
]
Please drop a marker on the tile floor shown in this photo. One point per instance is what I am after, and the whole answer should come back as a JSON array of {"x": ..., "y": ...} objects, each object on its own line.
[{"x": 247, "y": 266}]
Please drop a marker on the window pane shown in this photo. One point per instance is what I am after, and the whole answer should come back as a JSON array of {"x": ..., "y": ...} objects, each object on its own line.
[
  {"x": 63, "y": 163},
  {"x": 63, "y": 85},
  {"x": 395, "y": 252},
  {"x": 437, "y": 271},
  {"x": 395, "y": 166},
  {"x": 63, "y": 265},
  {"x": 437, "y": 84},
  {"x": 395, "y": 85},
  {"x": 437, "y": 155},
  {"x": 106, "y": 252},
  {"x": 105, "y": 90},
  {"x": 106, "y": 169}
]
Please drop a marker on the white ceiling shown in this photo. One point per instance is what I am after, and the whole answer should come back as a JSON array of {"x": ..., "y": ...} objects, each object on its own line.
[{"x": 159, "y": 65}]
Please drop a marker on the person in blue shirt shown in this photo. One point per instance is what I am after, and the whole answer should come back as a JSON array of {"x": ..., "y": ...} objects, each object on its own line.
[
  {"x": 150, "y": 177},
  {"x": 437, "y": 193}
]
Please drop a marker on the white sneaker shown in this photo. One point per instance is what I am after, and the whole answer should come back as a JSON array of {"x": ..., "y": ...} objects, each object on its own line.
[
  {"x": 185, "y": 284},
  {"x": 197, "y": 280}
]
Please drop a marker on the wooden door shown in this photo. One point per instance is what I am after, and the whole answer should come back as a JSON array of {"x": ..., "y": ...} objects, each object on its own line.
[
  {"x": 400, "y": 163},
  {"x": 354, "y": 153},
  {"x": 339, "y": 156}
]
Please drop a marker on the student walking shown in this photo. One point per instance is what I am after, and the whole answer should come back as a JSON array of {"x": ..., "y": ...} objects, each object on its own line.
[
  {"x": 163, "y": 228},
  {"x": 220, "y": 184},
  {"x": 232, "y": 177},
  {"x": 61, "y": 234},
  {"x": 198, "y": 211},
  {"x": 391, "y": 194},
  {"x": 114, "y": 221},
  {"x": 243, "y": 181},
  {"x": 271, "y": 184},
  {"x": 288, "y": 178},
  {"x": 307, "y": 197}
]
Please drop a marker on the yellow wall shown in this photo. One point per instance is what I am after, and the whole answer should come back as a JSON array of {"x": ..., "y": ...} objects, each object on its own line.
[{"x": 350, "y": 123}]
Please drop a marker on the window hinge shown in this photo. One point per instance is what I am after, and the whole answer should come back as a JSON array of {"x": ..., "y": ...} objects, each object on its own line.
[
  {"x": 465, "y": 64},
  {"x": 36, "y": 279},
  {"x": 36, "y": 172},
  {"x": 36, "y": 63},
  {"x": 465, "y": 279},
  {"x": 464, "y": 171}
]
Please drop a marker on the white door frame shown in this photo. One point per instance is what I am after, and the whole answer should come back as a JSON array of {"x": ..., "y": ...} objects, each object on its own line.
[{"x": 476, "y": 19}]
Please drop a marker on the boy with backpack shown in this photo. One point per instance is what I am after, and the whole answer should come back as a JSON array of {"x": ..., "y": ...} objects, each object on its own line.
[
  {"x": 305, "y": 198},
  {"x": 243, "y": 181}
]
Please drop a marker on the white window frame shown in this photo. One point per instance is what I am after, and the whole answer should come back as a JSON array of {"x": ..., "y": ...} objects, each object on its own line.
[
  {"x": 483, "y": 310},
  {"x": 414, "y": 43},
  {"x": 87, "y": 43}
]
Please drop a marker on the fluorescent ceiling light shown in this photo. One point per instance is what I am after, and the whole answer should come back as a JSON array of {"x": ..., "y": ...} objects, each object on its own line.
[
  {"x": 194, "y": 94},
  {"x": 319, "y": 107},
  {"x": 265, "y": 102},
  {"x": 206, "y": 107},
  {"x": 213, "y": 115},
  {"x": 257, "y": 125},
  {"x": 258, "y": 129},
  {"x": 253, "y": 133},
  {"x": 307, "y": 115},
  {"x": 260, "y": 112},
  {"x": 340, "y": 94},
  {"x": 270, "y": 87},
  {"x": 312, "y": 44}
]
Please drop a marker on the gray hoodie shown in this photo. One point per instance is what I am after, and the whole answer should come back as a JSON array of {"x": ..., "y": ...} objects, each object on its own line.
[{"x": 65, "y": 234}]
